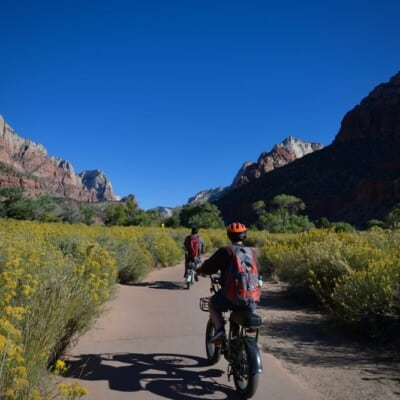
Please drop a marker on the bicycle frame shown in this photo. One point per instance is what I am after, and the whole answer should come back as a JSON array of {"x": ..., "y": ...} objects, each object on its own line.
[{"x": 240, "y": 349}]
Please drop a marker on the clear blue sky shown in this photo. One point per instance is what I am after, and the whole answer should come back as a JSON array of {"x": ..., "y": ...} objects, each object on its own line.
[{"x": 169, "y": 97}]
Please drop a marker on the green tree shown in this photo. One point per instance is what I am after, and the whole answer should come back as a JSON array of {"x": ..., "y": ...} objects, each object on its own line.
[
  {"x": 342, "y": 227},
  {"x": 115, "y": 214},
  {"x": 174, "y": 220},
  {"x": 147, "y": 218},
  {"x": 132, "y": 211},
  {"x": 15, "y": 204},
  {"x": 205, "y": 215},
  {"x": 259, "y": 207},
  {"x": 284, "y": 215},
  {"x": 87, "y": 214},
  {"x": 44, "y": 209},
  {"x": 323, "y": 223},
  {"x": 21, "y": 209},
  {"x": 392, "y": 220},
  {"x": 288, "y": 203}
]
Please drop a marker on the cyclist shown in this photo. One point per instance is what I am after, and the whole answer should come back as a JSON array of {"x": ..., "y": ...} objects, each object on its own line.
[
  {"x": 194, "y": 248},
  {"x": 219, "y": 262}
]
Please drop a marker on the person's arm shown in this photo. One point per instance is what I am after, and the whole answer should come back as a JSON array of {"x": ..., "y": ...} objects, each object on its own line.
[
  {"x": 202, "y": 247},
  {"x": 215, "y": 263}
]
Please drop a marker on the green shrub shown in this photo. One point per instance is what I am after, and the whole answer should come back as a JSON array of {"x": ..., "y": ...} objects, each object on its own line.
[
  {"x": 133, "y": 258},
  {"x": 163, "y": 247}
]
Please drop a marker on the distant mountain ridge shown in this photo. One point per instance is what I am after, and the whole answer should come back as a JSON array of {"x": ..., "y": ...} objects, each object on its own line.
[
  {"x": 355, "y": 179},
  {"x": 27, "y": 165},
  {"x": 281, "y": 154}
]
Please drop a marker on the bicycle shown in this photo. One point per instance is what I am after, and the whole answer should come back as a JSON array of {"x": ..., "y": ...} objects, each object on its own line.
[
  {"x": 191, "y": 275},
  {"x": 240, "y": 348}
]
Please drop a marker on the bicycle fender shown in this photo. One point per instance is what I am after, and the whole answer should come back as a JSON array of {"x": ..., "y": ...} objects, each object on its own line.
[{"x": 255, "y": 356}]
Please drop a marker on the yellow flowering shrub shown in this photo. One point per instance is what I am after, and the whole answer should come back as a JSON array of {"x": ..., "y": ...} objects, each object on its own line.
[
  {"x": 49, "y": 293},
  {"x": 213, "y": 239},
  {"x": 356, "y": 275},
  {"x": 69, "y": 271},
  {"x": 370, "y": 296},
  {"x": 162, "y": 246},
  {"x": 71, "y": 391}
]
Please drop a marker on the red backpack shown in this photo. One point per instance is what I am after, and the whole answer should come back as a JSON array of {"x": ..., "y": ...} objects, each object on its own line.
[
  {"x": 241, "y": 277},
  {"x": 193, "y": 247}
]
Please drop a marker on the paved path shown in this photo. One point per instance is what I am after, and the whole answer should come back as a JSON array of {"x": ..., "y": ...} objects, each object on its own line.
[{"x": 150, "y": 345}]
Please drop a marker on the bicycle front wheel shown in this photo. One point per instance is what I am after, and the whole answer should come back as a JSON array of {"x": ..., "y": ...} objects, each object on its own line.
[{"x": 213, "y": 352}]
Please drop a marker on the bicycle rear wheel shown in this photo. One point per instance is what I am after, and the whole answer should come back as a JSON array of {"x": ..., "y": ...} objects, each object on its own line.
[
  {"x": 246, "y": 381},
  {"x": 189, "y": 279}
]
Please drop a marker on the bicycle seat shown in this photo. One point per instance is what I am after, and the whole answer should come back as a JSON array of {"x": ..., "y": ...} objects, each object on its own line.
[{"x": 245, "y": 318}]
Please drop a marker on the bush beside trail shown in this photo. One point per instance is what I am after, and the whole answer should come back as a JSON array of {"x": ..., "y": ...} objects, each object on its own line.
[
  {"x": 52, "y": 287},
  {"x": 354, "y": 276},
  {"x": 55, "y": 279}
]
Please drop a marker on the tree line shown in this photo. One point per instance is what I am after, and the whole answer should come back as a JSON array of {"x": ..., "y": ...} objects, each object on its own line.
[{"x": 282, "y": 214}]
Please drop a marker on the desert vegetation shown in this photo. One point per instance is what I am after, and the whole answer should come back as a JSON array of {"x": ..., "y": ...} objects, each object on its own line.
[
  {"x": 354, "y": 276},
  {"x": 56, "y": 277},
  {"x": 54, "y": 280}
]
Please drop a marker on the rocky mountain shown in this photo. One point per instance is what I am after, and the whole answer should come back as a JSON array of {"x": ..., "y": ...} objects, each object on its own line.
[
  {"x": 26, "y": 164},
  {"x": 210, "y": 195},
  {"x": 355, "y": 179},
  {"x": 164, "y": 212},
  {"x": 281, "y": 154}
]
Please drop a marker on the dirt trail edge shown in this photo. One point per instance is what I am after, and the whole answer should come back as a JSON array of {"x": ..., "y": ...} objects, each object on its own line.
[
  {"x": 336, "y": 366},
  {"x": 149, "y": 344}
]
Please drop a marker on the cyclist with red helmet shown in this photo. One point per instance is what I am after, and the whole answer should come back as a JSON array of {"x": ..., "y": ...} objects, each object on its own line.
[{"x": 220, "y": 262}]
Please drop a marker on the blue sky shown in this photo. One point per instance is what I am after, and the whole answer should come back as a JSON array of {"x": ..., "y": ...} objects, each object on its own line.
[{"x": 169, "y": 98}]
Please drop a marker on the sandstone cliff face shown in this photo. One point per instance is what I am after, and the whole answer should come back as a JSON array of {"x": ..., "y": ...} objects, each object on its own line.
[
  {"x": 376, "y": 117},
  {"x": 354, "y": 179},
  {"x": 377, "y": 120},
  {"x": 282, "y": 154},
  {"x": 40, "y": 174}
]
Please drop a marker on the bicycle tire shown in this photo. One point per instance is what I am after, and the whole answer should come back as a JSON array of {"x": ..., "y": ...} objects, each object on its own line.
[
  {"x": 213, "y": 352},
  {"x": 246, "y": 381}
]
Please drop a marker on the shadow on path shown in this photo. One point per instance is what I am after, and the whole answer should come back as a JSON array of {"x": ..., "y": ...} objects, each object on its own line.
[
  {"x": 169, "y": 285},
  {"x": 299, "y": 334},
  {"x": 172, "y": 376}
]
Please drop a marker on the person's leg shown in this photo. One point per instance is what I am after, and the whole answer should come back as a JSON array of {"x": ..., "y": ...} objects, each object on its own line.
[
  {"x": 216, "y": 317},
  {"x": 218, "y": 304}
]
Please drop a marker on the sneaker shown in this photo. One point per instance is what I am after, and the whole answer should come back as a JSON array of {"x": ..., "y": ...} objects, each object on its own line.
[{"x": 218, "y": 337}]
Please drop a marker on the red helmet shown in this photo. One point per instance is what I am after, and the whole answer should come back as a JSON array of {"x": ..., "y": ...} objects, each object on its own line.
[{"x": 236, "y": 231}]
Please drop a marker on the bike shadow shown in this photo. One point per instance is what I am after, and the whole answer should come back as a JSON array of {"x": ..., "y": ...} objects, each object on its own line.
[
  {"x": 166, "y": 285},
  {"x": 172, "y": 376}
]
